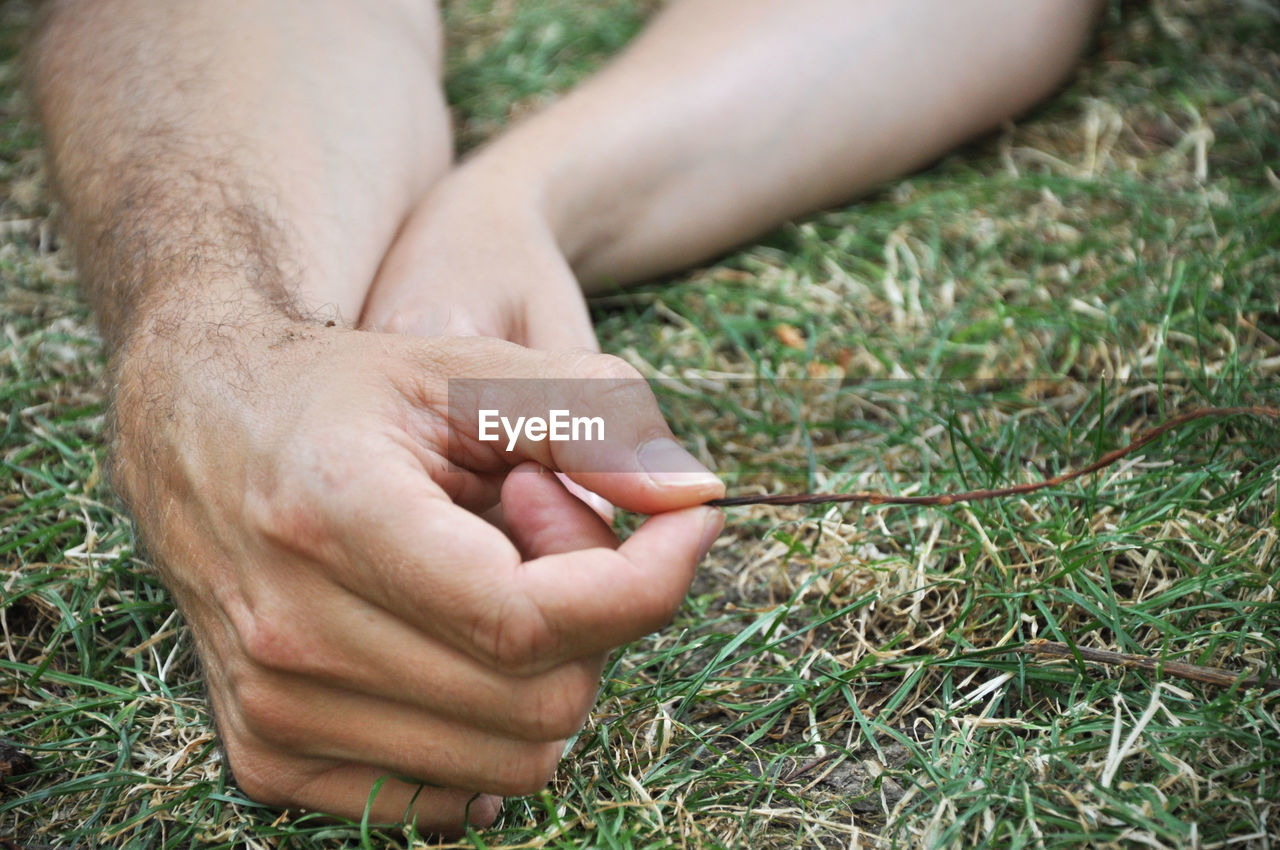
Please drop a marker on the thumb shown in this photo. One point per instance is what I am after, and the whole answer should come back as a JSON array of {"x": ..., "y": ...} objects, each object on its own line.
[{"x": 590, "y": 416}]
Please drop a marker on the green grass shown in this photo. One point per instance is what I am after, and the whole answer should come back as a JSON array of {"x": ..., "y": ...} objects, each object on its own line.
[{"x": 838, "y": 677}]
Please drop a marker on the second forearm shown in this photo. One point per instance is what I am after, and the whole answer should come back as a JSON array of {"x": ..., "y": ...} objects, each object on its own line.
[{"x": 728, "y": 117}]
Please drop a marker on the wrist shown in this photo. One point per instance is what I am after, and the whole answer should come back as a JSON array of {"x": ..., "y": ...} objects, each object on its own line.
[
  {"x": 178, "y": 374},
  {"x": 568, "y": 171},
  {"x": 525, "y": 173},
  {"x": 184, "y": 335}
]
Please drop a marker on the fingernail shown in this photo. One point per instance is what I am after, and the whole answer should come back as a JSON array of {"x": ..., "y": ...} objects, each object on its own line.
[
  {"x": 669, "y": 465},
  {"x": 711, "y": 528}
]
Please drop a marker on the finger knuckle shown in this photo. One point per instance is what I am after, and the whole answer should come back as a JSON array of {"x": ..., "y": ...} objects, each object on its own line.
[
  {"x": 529, "y": 770},
  {"x": 259, "y": 786},
  {"x": 271, "y": 643},
  {"x": 258, "y": 774},
  {"x": 613, "y": 384},
  {"x": 514, "y": 638},
  {"x": 558, "y": 710},
  {"x": 512, "y": 649},
  {"x": 608, "y": 367},
  {"x": 267, "y": 712},
  {"x": 286, "y": 514}
]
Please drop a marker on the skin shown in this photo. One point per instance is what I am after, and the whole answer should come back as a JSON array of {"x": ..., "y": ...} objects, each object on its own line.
[{"x": 288, "y": 267}]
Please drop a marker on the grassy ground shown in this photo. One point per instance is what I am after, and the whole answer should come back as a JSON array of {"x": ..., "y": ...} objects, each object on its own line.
[{"x": 838, "y": 677}]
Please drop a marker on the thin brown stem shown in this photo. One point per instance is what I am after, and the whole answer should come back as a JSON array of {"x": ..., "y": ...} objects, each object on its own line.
[
  {"x": 1219, "y": 676},
  {"x": 875, "y": 498}
]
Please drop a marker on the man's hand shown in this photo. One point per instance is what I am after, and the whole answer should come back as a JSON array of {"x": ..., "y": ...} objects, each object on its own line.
[{"x": 358, "y": 619}]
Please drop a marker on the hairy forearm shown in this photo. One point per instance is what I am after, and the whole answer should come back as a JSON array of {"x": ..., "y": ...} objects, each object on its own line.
[
  {"x": 728, "y": 117},
  {"x": 204, "y": 157},
  {"x": 141, "y": 198},
  {"x": 220, "y": 190}
]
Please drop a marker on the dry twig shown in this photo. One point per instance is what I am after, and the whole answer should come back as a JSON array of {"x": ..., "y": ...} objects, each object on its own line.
[
  {"x": 1219, "y": 676},
  {"x": 875, "y": 498}
]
